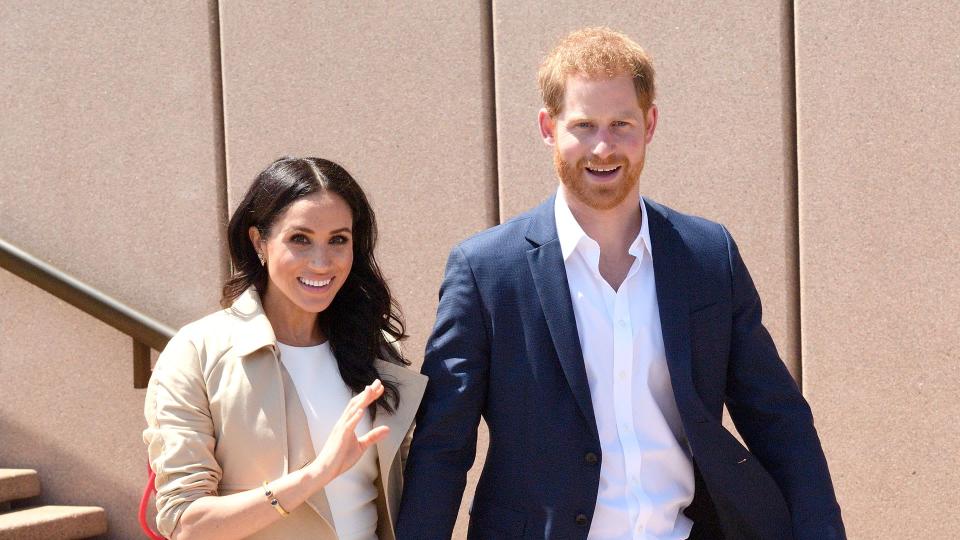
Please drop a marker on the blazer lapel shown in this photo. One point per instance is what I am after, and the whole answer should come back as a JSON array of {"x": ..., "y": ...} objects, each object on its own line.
[
  {"x": 668, "y": 270},
  {"x": 550, "y": 279}
]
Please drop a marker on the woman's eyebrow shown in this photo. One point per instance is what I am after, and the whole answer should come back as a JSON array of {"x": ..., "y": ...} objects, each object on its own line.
[{"x": 299, "y": 228}]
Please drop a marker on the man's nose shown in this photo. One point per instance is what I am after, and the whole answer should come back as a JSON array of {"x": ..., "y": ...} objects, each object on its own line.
[{"x": 603, "y": 148}]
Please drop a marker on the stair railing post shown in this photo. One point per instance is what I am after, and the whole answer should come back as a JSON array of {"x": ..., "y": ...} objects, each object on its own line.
[{"x": 141, "y": 364}]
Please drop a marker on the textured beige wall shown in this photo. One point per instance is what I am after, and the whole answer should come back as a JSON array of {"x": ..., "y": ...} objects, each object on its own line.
[
  {"x": 879, "y": 126},
  {"x": 400, "y": 94},
  {"x": 724, "y": 143},
  {"x": 110, "y": 172}
]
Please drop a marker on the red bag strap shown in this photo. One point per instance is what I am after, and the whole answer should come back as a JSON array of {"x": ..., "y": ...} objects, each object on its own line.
[{"x": 148, "y": 492}]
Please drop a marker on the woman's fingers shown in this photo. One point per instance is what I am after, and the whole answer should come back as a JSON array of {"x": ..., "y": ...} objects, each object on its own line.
[
  {"x": 351, "y": 423},
  {"x": 359, "y": 403},
  {"x": 370, "y": 394},
  {"x": 373, "y": 436}
]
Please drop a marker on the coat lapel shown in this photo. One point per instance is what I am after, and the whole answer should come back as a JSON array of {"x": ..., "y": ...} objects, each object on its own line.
[
  {"x": 300, "y": 449},
  {"x": 550, "y": 279},
  {"x": 412, "y": 386},
  {"x": 668, "y": 269}
]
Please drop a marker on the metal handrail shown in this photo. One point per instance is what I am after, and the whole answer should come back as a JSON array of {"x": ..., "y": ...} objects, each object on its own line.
[{"x": 147, "y": 333}]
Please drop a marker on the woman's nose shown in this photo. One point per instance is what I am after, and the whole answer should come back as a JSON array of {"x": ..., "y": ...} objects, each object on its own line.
[{"x": 319, "y": 259}]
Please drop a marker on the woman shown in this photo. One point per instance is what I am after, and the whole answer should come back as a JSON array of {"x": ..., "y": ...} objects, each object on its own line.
[{"x": 254, "y": 412}]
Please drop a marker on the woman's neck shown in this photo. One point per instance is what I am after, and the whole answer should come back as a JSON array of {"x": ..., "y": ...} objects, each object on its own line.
[{"x": 291, "y": 325}]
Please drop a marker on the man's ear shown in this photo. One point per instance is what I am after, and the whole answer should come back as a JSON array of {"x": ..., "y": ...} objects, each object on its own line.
[
  {"x": 650, "y": 122},
  {"x": 547, "y": 127}
]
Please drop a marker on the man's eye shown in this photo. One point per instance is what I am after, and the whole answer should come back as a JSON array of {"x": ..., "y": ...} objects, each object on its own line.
[
  {"x": 582, "y": 125},
  {"x": 620, "y": 123}
]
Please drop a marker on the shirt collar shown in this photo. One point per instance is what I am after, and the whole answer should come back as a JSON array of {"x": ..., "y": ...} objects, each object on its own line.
[
  {"x": 253, "y": 330},
  {"x": 571, "y": 234}
]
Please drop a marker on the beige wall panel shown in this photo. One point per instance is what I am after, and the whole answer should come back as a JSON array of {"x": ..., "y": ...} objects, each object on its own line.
[
  {"x": 879, "y": 123},
  {"x": 109, "y": 171},
  {"x": 724, "y": 142},
  {"x": 68, "y": 407},
  {"x": 110, "y": 134},
  {"x": 398, "y": 93}
]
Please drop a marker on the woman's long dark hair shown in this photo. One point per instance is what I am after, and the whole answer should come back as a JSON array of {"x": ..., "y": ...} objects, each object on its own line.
[{"x": 363, "y": 321}]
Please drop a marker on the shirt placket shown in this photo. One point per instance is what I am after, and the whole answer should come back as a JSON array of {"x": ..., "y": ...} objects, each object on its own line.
[{"x": 623, "y": 373}]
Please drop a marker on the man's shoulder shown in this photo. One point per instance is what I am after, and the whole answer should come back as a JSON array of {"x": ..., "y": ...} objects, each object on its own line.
[
  {"x": 695, "y": 231},
  {"x": 500, "y": 240}
]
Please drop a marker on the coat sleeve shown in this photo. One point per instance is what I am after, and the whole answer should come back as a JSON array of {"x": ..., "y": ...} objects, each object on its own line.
[
  {"x": 773, "y": 417},
  {"x": 445, "y": 440},
  {"x": 180, "y": 433}
]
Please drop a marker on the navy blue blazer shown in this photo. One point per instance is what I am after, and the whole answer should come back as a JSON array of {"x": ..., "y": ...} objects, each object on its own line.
[{"x": 505, "y": 347}]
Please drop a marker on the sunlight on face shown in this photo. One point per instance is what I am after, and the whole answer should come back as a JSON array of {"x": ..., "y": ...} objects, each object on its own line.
[
  {"x": 309, "y": 252},
  {"x": 600, "y": 140}
]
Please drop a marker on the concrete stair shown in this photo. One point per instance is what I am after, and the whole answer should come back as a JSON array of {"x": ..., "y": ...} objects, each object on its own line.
[{"x": 42, "y": 522}]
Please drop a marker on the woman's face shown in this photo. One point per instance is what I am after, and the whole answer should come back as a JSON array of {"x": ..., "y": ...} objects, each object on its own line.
[{"x": 308, "y": 252}]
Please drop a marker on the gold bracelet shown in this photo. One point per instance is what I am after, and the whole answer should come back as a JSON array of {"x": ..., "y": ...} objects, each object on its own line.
[{"x": 273, "y": 500}]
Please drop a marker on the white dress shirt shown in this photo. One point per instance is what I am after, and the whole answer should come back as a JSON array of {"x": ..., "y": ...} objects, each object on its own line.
[
  {"x": 646, "y": 476},
  {"x": 324, "y": 395}
]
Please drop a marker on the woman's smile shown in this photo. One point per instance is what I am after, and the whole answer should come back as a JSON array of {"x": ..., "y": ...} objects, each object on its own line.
[{"x": 316, "y": 284}]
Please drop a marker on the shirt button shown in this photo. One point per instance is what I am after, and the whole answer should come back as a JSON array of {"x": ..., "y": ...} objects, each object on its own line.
[
  {"x": 590, "y": 458},
  {"x": 622, "y": 375},
  {"x": 581, "y": 519},
  {"x": 622, "y": 323}
]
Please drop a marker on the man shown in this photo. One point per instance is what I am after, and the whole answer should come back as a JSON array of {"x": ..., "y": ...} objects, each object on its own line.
[{"x": 600, "y": 335}]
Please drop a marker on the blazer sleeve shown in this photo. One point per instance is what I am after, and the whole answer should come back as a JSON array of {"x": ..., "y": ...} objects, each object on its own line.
[
  {"x": 180, "y": 433},
  {"x": 445, "y": 440},
  {"x": 774, "y": 419}
]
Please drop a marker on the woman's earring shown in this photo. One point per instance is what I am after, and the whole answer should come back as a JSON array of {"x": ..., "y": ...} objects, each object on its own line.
[{"x": 260, "y": 256}]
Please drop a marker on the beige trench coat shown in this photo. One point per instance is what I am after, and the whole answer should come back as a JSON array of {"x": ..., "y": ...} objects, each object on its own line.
[{"x": 223, "y": 416}]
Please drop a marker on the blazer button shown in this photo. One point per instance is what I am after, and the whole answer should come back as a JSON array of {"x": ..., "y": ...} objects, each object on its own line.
[
  {"x": 590, "y": 458},
  {"x": 581, "y": 519}
]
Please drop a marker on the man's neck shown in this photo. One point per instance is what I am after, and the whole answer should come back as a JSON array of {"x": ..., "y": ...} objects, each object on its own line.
[{"x": 614, "y": 230}]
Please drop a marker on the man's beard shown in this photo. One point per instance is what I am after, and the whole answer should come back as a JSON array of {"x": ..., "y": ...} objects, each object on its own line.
[{"x": 598, "y": 196}]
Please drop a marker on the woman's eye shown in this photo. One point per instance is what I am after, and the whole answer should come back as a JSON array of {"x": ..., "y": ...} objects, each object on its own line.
[
  {"x": 339, "y": 239},
  {"x": 299, "y": 239}
]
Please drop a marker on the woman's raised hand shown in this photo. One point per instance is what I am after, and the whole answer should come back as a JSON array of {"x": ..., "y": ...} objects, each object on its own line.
[{"x": 343, "y": 447}]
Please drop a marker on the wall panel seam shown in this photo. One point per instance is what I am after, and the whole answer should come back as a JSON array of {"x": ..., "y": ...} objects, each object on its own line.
[
  {"x": 220, "y": 134},
  {"x": 792, "y": 168},
  {"x": 495, "y": 201}
]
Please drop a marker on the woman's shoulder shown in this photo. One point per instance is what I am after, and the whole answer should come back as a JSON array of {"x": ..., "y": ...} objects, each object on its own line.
[
  {"x": 219, "y": 333},
  {"x": 218, "y": 324}
]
